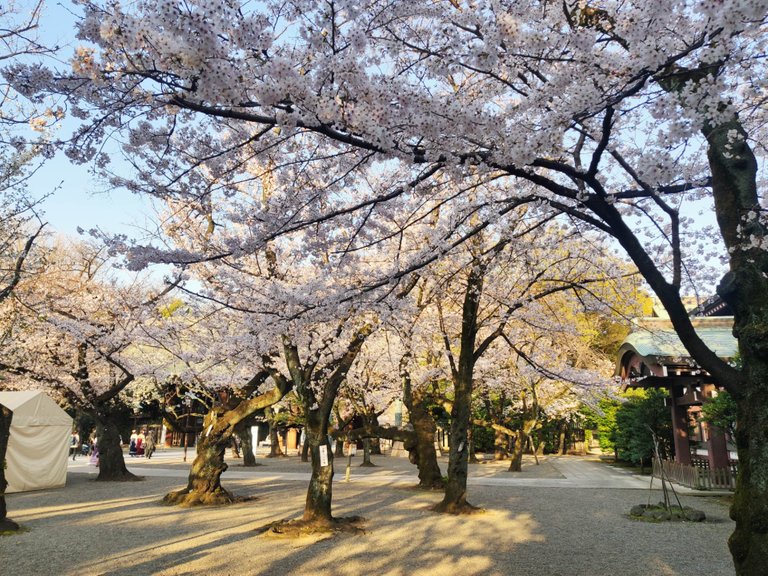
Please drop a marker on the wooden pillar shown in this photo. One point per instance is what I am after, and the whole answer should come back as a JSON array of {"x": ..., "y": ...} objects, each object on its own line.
[
  {"x": 680, "y": 427},
  {"x": 718, "y": 446}
]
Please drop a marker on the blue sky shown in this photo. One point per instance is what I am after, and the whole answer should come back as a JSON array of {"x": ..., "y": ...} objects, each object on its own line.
[
  {"x": 76, "y": 198},
  {"x": 81, "y": 201}
]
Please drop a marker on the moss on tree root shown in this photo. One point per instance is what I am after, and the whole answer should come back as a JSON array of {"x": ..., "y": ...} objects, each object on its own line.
[
  {"x": 662, "y": 513},
  {"x": 318, "y": 527},
  {"x": 120, "y": 478},
  {"x": 8, "y": 526},
  {"x": 434, "y": 486},
  {"x": 457, "y": 508},
  {"x": 187, "y": 499}
]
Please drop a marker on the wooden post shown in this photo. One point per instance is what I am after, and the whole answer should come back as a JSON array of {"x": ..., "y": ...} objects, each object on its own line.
[{"x": 680, "y": 427}]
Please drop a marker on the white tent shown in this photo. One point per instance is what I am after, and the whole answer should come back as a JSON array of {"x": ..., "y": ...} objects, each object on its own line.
[{"x": 39, "y": 443}]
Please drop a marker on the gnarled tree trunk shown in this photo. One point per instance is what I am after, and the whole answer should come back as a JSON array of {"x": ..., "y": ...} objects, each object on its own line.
[
  {"x": 421, "y": 447},
  {"x": 521, "y": 441},
  {"x": 204, "y": 481},
  {"x": 367, "y": 453},
  {"x": 111, "y": 460},
  {"x": 338, "y": 447},
  {"x": 500, "y": 443},
  {"x": 418, "y": 451},
  {"x": 422, "y": 450}
]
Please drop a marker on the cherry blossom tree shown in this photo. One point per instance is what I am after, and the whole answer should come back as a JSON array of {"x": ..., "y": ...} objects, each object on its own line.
[
  {"x": 373, "y": 384},
  {"x": 507, "y": 279},
  {"x": 20, "y": 223},
  {"x": 549, "y": 372},
  {"x": 623, "y": 114},
  {"x": 25, "y": 133},
  {"x": 317, "y": 363},
  {"x": 225, "y": 364},
  {"x": 69, "y": 329},
  {"x": 416, "y": 369}
]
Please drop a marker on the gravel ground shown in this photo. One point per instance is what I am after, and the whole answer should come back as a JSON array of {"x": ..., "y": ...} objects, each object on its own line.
[{"x": 121, "y": 529}]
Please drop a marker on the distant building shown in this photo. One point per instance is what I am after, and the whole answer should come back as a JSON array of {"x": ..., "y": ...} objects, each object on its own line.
[{"x": 652, "y": 356}]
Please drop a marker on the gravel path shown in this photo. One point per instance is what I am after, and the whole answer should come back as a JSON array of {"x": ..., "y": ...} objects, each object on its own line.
[{"x": 91, "y": 528}]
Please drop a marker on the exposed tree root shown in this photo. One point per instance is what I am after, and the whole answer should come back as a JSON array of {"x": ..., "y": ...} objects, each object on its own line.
[
  {"x": 368, "y": 465},
  {"x": 300, "y": 527},
  {"x": 186, "y": 498},
  {"x": 434, "y": 485},
  {"x": 126, "y": 477},
  {"x": 8, "y": 525},
  {"x": 457, "y": 508}
]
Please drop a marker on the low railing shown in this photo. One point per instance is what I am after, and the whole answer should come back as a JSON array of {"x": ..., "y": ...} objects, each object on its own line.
[{"x": 700, "y": 478}]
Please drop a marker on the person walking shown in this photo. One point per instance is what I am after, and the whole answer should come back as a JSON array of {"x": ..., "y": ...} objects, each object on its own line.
[
  {"x": 74, "y": 443},
  {"x": 140, "y": 444},
  {"x": 132, "y": 444},
  {"x": 94, "y": 450}
]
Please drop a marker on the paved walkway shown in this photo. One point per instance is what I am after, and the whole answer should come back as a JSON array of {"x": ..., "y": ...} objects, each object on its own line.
[{"x": 554, "y": 471}]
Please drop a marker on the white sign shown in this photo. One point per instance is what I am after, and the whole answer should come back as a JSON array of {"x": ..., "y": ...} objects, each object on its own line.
[
  {"x": 323, "y": 455},
  {"x": 352, "y": 449}
]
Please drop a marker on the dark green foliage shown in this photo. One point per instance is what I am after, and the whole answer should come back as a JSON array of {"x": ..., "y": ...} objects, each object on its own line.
[
  {"x": 720, "y": 411},
  {"x": 605, "y": 423},
  {"x": 643, "y": 411},
  {"x": 482, "y": 439}
]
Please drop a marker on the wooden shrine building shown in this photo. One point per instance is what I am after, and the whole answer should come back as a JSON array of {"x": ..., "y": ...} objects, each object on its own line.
[{"x": 652, "y": 356}]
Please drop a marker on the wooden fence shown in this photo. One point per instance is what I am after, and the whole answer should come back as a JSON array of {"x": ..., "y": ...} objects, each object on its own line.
[{"x": 698, "y": 477}]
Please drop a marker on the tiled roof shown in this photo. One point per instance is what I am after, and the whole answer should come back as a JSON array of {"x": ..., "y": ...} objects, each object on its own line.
[{"x": 659, "y": 339}]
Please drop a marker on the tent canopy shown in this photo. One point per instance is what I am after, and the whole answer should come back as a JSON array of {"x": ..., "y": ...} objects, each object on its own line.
[{"x": 39, "y": 441}]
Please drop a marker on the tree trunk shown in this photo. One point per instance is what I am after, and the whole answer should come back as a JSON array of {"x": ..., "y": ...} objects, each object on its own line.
[
  {"x": 6, "y": 415},
  {"x": 418, "y": 447},
  {"x": 317, "y": 508},
  {"x": 734, "y": 169},
  {"x": 338, "y": 449},
  {"x": 425, "y": 457},
  {"x": 243, "y": 431},
  {"x": 749, "y": 541},
  {"x": 274, "y": 443},
  {"x": 317, "y": 410},
  {"x": 521, "y": 441},
  {"x": 500, "y": 443},
  {"x": 376, "y": 446},
  {"x": 305, "y": 451},
  {"x": 111, "y": 460},
  {"x": 472, "y": 454},
  {"x": 204, "y": 481},
  {"x": 516, "y": 465},
  {"x": 455, "y": 500},
  {"x": 734, "y": 187},
  {"x": 421, "y": 450},
  {"x": 562, "y": 444},
  {"x": 367, "y": 453}
]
